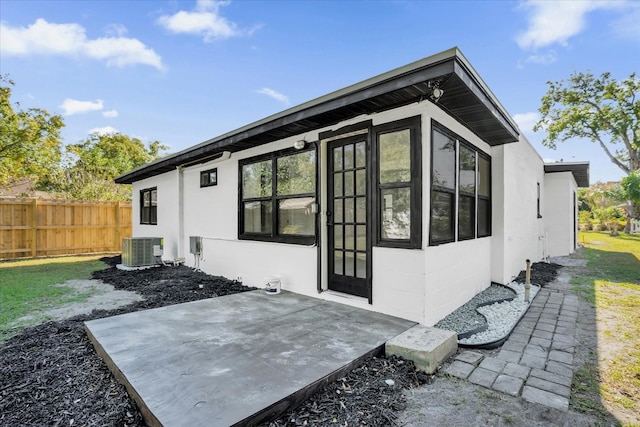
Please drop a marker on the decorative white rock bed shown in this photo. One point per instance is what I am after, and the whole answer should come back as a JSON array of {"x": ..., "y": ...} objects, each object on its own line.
[{"x": 502, "y": 317}]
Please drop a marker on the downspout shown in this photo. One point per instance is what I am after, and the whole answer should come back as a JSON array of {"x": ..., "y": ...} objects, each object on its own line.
[{"x": 180, "y": 211}]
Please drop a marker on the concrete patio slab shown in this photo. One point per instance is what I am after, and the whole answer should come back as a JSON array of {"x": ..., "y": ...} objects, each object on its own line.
[{"x": 238, "y": 359}]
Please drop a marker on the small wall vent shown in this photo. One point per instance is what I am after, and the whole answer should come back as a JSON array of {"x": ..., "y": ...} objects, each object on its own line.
[{"x": 141, "y": 251}]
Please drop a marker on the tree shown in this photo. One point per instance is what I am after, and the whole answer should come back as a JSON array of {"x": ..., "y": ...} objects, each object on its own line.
[
  {"x": 30, "y": 145},
  {"x": 600, "y": 109},
  {"x": 93, "y": 164}
]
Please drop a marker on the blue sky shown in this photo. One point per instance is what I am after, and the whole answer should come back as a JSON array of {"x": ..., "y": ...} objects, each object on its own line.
[{"x": 182, "y": 72}]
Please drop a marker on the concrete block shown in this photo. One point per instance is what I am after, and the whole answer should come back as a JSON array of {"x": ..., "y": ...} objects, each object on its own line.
[
  {"x": 549, "y": 376},
  {"x": 549, "y": 386},
  {"x": 483, "y": 377},
  {"x": 493, "y": 364},
  {"x": 427, "y": 347},
  {"x": 546, "y": 398},
  {"x": 471, "y": 357},
  {"x": 561, "y": 356},
  {"x": 533, "y": 361},
  {"x": 515, "y": 370},
  {"x": 509, "y": 356},
  {"x": 560, "y": 369},
  {"x": 508, "y": 384},
  {"x": 460, "y": 369}
]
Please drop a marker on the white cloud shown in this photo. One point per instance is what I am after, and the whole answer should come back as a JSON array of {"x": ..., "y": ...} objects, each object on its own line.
[
  {"x": 526, "y": 121},
  {"x": 543, "y": 58},
  {"x": 106, "y": 130},
  {"x": 275, "y": 95},
  {"x": 44, "y": 38},
  {"x": 73, "y": 106},
  {"x": 110, "y": 114},
  {"x": 555, "y": 22},
  {"x": 204, "y": 21}
]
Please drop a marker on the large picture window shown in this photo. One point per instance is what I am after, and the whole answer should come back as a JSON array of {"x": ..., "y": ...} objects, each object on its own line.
[
  {"x": 149, "y": 206},
  {"x": 399, "y": 184},
  {"x": 460, "y": 189},
  {"x": 277, "y": 196}
]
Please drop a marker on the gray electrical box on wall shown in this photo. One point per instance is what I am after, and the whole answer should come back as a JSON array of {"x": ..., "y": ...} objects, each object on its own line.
[{"x": 195, "y": 245}]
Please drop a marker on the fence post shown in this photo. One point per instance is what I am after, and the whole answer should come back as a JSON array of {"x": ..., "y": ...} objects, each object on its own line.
[
  {"x": 34, "y": 228},
  {"x": 118, "y": 221}
]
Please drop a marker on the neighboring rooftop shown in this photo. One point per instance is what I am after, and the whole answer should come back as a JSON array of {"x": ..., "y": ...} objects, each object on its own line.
[
  {"x": 466, "y": 97},
  {"x": 580, "y": 171}
]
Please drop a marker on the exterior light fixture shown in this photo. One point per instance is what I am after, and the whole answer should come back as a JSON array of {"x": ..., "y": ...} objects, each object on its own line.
[
  {"x": 300, "y": 144},
  {"x": 436, "y": 92}
]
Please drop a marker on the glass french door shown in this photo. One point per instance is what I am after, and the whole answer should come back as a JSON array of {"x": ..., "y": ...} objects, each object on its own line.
[{"x": 347, "y": 216}]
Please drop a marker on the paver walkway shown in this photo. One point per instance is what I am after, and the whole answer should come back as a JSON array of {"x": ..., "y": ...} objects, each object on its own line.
[{"x": 536, "y": 361}]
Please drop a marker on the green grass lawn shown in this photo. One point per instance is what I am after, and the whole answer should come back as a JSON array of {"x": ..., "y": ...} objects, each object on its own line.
[
  {"x": 26, "y": 286},
  {"x": 611, "y": 282}
]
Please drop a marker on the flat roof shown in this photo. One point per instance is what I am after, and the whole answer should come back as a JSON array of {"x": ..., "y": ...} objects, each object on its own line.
[
  {"x": 466, "y": 97},
  {"x": 580, "y": 171}
]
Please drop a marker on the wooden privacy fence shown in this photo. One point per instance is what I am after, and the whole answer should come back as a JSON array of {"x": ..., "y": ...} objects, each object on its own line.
[{"x": 32, "y": 227}]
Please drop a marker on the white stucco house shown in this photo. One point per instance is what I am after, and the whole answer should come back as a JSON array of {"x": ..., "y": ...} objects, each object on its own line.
[{"x": 407, "y": 194}]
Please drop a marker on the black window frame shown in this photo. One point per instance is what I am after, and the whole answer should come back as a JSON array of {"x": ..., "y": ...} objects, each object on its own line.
[
  {"x": 205, "y": 178},
  {"x": 538, "y": 201},
  {"x": 152, "y": 217},
  {"x": 414, "y": 125},
  {"x": 274, "y": 199},
  {"x": 456, "y": 194}
]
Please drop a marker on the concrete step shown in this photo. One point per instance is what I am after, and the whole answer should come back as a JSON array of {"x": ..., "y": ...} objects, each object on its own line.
[{"x": 427, "y": 347}]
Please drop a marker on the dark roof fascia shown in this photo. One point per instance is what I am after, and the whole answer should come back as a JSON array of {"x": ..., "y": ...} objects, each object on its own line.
[
  {"x": 426, "y": 69},
  {"x": 579, "y": 170}
]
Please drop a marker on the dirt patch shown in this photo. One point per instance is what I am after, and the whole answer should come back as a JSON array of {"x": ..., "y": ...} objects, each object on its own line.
[{"x": 542, "y": 273}]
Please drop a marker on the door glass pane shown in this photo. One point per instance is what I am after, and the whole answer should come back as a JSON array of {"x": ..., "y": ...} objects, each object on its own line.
[
  {"x": 257, "y": 217},
  {"x": 349, "y": 264},
  {"x": 361, "y": 154},
  {"x": 361, "y": 181},
  {"x": 361, "y": 265},
  {"x": 349, "y": 237},
  {"x": 337, "y": 159},
  {"x": 348, "y": 210},
  {"x": 361, "y": 209},
  {"x": 337, "y": 184},
  {"x": 467, "y": 170},
  {"x": 295, "y": 216},
  {"x": 361, "y": 237},
  {"x": 348, "y": 157},
  {"x": 338, "y": 263},
  {"x": 337, "y": 211},
  {"x": 296, "y": 174},
  {"x": 337, "y": 237},
  {"x": 348, "y": 183},
  {"x": 395, "y": 156},
  {"x": 256, "y": 180},
  {"x": 443, "y": 160},
  {"x": 396, "y": 213}
]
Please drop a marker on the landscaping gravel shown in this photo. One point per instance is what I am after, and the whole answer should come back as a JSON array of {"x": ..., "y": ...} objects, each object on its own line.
[
  {"x": 466, "y": 319},
  {"x": 501, "y": 317}
]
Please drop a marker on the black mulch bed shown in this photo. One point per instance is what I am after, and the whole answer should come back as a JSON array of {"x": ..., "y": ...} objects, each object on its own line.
[
  {"x": 542, "y": 273},
  {"x": 50, "y": 374}
]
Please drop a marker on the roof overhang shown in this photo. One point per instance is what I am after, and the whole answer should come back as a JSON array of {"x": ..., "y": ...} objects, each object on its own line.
[
  {"x": 580, "y": 171},
  {"x": 466, "y": 97}
]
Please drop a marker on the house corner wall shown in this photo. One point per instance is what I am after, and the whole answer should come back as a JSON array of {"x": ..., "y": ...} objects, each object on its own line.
[
  {"x": 518, "y": 232},
  {"x": 560, "y": 213}
]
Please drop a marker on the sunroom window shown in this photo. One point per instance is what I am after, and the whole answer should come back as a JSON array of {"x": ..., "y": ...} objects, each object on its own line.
[
  {"x": 277, "y": 195},
  {"x": 460, "y": 189}
]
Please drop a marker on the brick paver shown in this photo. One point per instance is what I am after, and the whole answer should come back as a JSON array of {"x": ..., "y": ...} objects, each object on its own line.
[{"x": 536, "y": 361}]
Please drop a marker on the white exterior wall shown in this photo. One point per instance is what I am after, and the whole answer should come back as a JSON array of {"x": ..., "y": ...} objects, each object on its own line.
[
  {"x": 422, "y": 285},
  {"x": 518, "y": 233},
  {"x": 560, "y": 212},
  {"x": 167, "y": 228}
]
